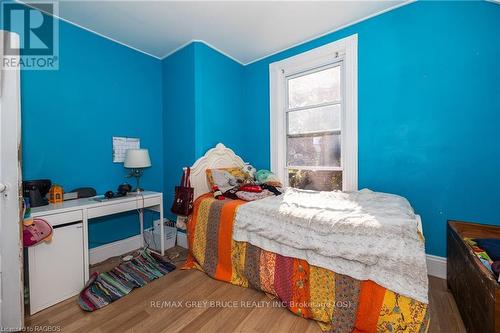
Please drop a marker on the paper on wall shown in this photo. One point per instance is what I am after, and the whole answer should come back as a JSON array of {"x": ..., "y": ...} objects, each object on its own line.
[{"x": 121, "y": 145}]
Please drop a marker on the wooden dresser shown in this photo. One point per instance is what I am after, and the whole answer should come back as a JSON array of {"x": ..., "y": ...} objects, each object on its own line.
[{"x": 475, "y": 289}]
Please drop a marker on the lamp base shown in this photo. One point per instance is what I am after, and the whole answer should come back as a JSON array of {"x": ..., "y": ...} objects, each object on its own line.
[{"x": 137, "y": 173}]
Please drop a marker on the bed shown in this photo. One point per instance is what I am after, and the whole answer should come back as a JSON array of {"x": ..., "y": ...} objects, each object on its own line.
[{"x": 339, "y": 302}]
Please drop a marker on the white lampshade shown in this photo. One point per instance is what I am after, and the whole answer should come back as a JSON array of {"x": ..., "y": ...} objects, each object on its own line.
[{"x": 137, "y": 158}]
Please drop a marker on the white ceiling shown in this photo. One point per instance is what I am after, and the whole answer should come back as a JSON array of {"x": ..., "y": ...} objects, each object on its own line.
[{"x": 244, "y": 30}]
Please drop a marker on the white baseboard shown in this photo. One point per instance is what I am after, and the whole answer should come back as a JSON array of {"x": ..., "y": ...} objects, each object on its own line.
[
  {"x": 436, "y": 266},
  {"x": 103, "y": 252}
]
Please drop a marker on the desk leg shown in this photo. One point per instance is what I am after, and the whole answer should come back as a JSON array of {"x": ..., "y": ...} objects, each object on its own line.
[
  {"x": 141, "y": 222},
  {"x": 86, "y": 261},
  {"x": 162, "y": 231}
]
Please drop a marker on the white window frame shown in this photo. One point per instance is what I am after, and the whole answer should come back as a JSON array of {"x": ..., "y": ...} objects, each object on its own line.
[{"x": 347, "y": 49}]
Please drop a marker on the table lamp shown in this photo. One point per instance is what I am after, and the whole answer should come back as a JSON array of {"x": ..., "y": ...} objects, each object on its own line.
[{"x": 137, "y": 160}]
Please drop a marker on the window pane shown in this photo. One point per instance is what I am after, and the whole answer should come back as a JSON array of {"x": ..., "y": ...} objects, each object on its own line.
[
  {"x": 320, "y": 150},
  {"x": 315, "y": 180},
  {"x": 315, "y": 88},
  {"x": 317, "y": 119}
]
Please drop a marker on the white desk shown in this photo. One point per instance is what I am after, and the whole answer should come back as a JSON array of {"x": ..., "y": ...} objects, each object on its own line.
[{"x": 59, "y": 269}]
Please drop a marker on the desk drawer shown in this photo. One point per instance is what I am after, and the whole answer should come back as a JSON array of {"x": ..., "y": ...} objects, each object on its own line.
[
  {"x": 121, "y": 206},
  {"x": 57, "y": 268},
  {"x": 63, "y": 218}
]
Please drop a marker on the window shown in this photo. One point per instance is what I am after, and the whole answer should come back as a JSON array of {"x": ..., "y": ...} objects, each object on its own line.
[{"x": 314, "y": 117}]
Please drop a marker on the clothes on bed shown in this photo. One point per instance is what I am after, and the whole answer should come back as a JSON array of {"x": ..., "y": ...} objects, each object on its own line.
[
  {"x": 275, "y": 190},
  {"x": 252, "y": 196},
  {"x": 231, "y": 193},
  {"x": 243, "y": 183},
  {"x": 366, "y": 235},
  {"x": 267, "y": 177},
  {"x": 243, "y": 194},
  {"x": 338, "y": 302},
  {"x": 226, "y": 178},
  {"x": 251, "y": 188}
]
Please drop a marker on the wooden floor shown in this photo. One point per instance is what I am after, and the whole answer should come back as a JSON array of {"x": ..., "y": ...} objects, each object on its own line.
[{"x": 144, "y": 310}]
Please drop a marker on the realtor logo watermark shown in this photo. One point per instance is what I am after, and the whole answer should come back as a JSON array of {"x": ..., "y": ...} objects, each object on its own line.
[{"x": 38, "y": 30}]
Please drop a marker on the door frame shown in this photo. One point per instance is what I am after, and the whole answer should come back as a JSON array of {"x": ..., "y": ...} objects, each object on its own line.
[{"x": 11, "y": 213}]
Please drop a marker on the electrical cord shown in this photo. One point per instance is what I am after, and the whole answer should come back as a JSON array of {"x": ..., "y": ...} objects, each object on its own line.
[
  {"x": 139, "y": 195},
  {"x": 148, "y": 245}
]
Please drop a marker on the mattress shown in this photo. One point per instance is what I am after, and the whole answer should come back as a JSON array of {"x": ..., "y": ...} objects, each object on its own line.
[
  {"x": 364, "y": 234},
  {"x": 338, "y": 302}
]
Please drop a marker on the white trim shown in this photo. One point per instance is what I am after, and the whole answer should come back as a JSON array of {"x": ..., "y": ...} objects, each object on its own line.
[
  {"x": 316, "y": 168},
  {"x": 11, "y": 247},
  {"x": 347, "y": 49},
  {"x": 203, "y": 42},
  {"x": 436, "y": 266},
  {"x": 337, "y": 29},
  {"x": 220, "y": 51},
  {"x": 189, "y": 42},
  {"x": 350, "y": 121},
  {"x": 103, "y": 252},
  {"x": 89, "y": 30},
  {"x": 118, "y": 248}
]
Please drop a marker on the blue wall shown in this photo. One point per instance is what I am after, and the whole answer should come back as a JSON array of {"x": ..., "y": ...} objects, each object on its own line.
[
  {"x": 178, "y": 75},
  {"x": 429, "y": 112},
  {"x": 102, "y": 89},
  {"x": 202, "y": 103},
  {"x": 219, "y": 103},
  {"x": 429, "y": 109}
]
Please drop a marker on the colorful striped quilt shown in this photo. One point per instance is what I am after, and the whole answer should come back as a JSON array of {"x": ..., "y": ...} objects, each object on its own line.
[{"x": 337, "y": 302}]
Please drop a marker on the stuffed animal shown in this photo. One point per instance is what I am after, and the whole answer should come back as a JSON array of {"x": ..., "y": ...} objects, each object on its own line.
[{"x": 250, "y": 170}]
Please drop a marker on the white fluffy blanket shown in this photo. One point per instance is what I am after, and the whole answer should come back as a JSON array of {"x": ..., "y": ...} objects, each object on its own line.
[{"x": 366, "y": 235}]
